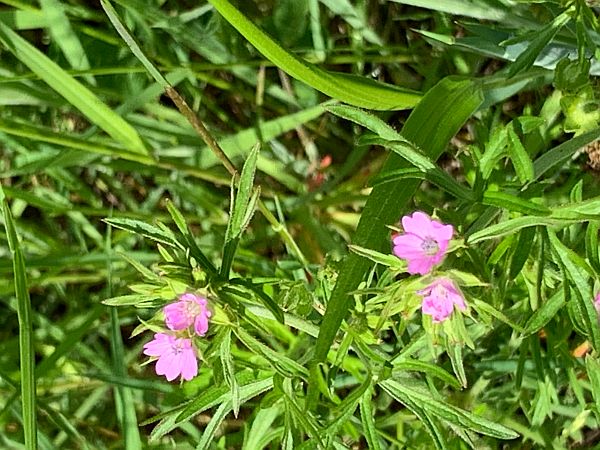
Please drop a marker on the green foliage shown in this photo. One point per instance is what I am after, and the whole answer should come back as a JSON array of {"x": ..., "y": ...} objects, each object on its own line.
[{"x": 152, "y": 149}]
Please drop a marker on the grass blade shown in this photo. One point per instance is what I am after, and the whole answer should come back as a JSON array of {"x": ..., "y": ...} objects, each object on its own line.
[
  {"x": 123, "y": 395},
  {"x": 354, "y": 90},
  {"x": 73, "y": 91},
  {"x": 26, "y": 352}
]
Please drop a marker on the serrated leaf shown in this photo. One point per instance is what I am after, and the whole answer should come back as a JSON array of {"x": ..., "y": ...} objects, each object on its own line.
[
  {"x": 519, "y": 157},
  {"x": 367, "y": 420},
  {"x": 541, "y": 38},
  {"x": 513, "y": 203},
  {"x": 142, "y": 228},
  {"x": 380, "y": 258},
  {"x": 229, "y": 372},
  {"x": 578, "y": 274},
  {"x": 447, "y": 412}
]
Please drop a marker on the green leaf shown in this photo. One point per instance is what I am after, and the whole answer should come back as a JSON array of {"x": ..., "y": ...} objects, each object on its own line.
[
  {"x": 229, "y": 372},
  {"x": 367, "y": 120},
  {"x": 262, "y": 431},
  {"x": 26, "y": 337},
  {"x": 455, "y": 353},
  {"x": 432, "y": 370},
  {"x": 452, "y": 414},
  {"x": 21, "y": 19},
  {"x": 511, "y": 202},
  {"x": 510, "y": 226},
  {"x": 380, "y": 258},
  {"x": 521, "y": 251},
  {"x": 290, "y": 20},
  {"x": 142, "y": 228},
  {"x": 284, "y": 365},
  {"x": 397, "y": 143},
  {"x": 562, "y": 153},
  {"x": 577, "y": 272},
  {"x": 64, "y": 36},
  {"x": 368, "y": 421},
  {"x": 358, "y": 91},
  {"x": 134, "y": 47},
  {"x": 520, "y": 159},
  {"x": 195, "y": 251},
  {"x": 243, "y": 195},
  {"x": 540, "y": 40},
  {"x": 72, "y": 90},
  {"x": 416, "y": 158},
  {"x": 545, "y": 313},
  {"x": 489, "y": 309},
  {"x": 431, "y": 125},
  {"x": 243, "y": 204},
  {"x": 591, "y": 245},
  {"x": 593, "y": 370},
  {"x": 137, "y": 300},
  {"x": 208, "y": 398},
  {"x": 476, "y": 9}
]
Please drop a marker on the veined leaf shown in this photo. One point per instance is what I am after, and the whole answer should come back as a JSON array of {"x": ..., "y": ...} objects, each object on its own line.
[{"x": 445, "y": 411}]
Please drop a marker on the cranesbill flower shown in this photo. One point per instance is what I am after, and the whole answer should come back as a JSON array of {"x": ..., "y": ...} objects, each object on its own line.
[
  {"x": 439, "y": 299},
  {"x": 176, "y": 356},
  {"x": 189, "y": 310},
  {"x": 424, "y": 242}
]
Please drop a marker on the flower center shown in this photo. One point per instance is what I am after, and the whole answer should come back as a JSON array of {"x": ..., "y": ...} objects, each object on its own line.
[
  {"x": 192, "y": 309},
  {"x": 177, "y": 347},
  {"x": 430, "y": 246}
]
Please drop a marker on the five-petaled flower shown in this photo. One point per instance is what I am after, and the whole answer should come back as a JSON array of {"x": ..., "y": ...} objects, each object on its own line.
[
  {"x": 190, "y": 309},
  {"x": 423, "y": 243},
  {"x": 439, "y": 299},
  {"x": 176, "y": 356}
]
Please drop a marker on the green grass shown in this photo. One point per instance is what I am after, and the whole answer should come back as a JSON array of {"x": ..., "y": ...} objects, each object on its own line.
[{"x": 262, "y": 154}]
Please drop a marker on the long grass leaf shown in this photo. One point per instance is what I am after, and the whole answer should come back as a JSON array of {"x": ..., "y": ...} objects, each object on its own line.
[
  {"x": 26, "y": 351},
  {"x": 72, "y": 90},
  {"x": 358, "y": 91}
]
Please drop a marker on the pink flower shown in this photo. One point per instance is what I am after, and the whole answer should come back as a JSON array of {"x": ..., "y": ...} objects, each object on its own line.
[
  {"x": 176, "y": 356},
  {"x": 597, "y": 302},
  {"x": 423, "y": 243},
  {"x": 439, "y": 299},
  {"x": 189, "y": 309}
]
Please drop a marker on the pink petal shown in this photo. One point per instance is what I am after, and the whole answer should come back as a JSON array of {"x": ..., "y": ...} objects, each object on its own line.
[
  {"x": 168, "y": 365},
  {"x": 188, "y": 297},
  {"x": 189, "y": 364},
  {"x": 418, "y": 224},
  {"x": 441, "y": 232},
  {"x": 201, "y": 324},
  {"x": 440, "y": 298},
  {"x": 421, "y": 265},
  {"x": 176, "y": 316},
  {"x": 161, "y": 344},
  {"x": 408, "y": 246}
]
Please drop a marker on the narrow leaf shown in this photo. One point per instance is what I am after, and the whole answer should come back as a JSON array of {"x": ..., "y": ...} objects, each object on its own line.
[
  {"x": 72, "y": 90},
  {"x": 24, "y": 316},
  {"x": 358, "y": 91}
]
